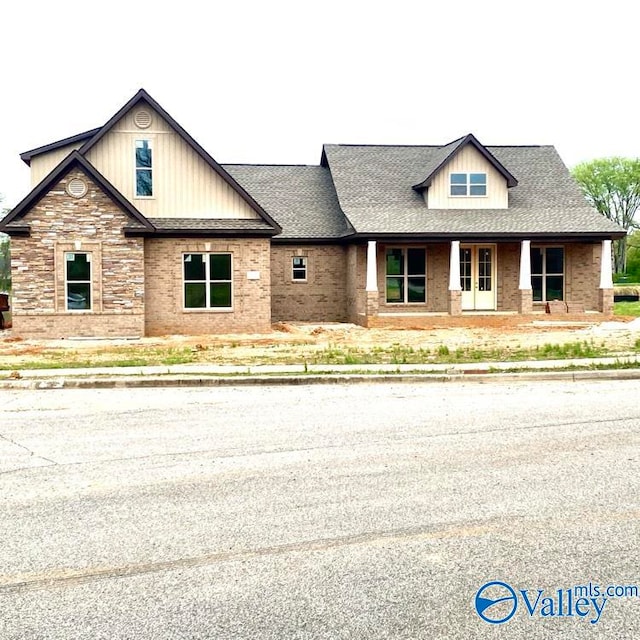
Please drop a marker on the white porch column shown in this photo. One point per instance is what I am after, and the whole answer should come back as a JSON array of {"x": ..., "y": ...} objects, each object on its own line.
[
  {"x": 372, "y": 269},
  {"x": 454, "y": 266},
  {"x": 525, "y": 265},
  {"x": 606, "y": 270}
]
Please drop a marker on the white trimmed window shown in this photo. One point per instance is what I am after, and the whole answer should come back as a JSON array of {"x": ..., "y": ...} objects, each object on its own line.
[
  {"x": 467, "y": 184},
  {"x": 207, "y": 280},
  {"x": 299, "y": 268},
  {"x": 547, "y": 273},
  {"x": 77, "y": 281},
  {"x": 144, "y": 169},
  {"x": 406, "y": 276}
]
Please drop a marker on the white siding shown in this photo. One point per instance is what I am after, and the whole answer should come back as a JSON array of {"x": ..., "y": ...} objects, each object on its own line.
[
  {"x": 468, "y": 160},
  {"x": 184, "y": 185},
  {"x": 44, "y": 163}
]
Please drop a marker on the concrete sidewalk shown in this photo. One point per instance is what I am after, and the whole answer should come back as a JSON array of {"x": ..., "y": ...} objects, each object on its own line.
[{"x": 214, "y": 375}]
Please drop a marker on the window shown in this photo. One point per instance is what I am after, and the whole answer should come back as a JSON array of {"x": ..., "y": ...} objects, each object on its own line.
[
  {"x": 547, "y": 273},
  {"x": 144, "y": 170},
  {"x": 77, "y": 276},
  {"x": 207, "y": 280},
  {"x": 406, "y": 275},
  {"x": 299, "y": 268},
  {"x": 468, "y": 184}
]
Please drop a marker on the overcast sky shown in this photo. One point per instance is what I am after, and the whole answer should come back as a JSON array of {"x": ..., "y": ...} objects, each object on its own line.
[{"x": 271, "y": 81}]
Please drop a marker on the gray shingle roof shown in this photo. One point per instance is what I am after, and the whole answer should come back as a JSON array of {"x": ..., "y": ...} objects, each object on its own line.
[
  {"x": 373, "y": 185},
  {"x": 301, "y": 199},
  {"x": 213, "y": 225}
]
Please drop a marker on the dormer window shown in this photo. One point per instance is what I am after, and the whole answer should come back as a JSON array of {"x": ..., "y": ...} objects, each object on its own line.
[
  {"x": 467, "y": 184},
  {"x": 144, "y": 169}
]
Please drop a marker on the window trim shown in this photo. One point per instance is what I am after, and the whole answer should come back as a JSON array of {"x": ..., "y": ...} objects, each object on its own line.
[
  {"x": 302, "y": 269},
  {"x": 468, "y": 184},
  {"x": 207, "y": 282},
  {"x": 150, "y": 169},
  {"x": 405, "y": 276},
  {"x": 545, "y": 274},
  {"x": 67, "y": 281}
]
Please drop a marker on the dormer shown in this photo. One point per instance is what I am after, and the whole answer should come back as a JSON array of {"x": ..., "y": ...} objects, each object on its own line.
[{"x": 465, "y": 175}]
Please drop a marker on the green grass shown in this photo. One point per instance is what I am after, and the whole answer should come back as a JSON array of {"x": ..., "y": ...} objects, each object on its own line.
[{"x": 626, "y": 309}]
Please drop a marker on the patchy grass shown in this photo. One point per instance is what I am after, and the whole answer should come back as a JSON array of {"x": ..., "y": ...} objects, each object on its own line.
[{"x": 627, "y": 309}]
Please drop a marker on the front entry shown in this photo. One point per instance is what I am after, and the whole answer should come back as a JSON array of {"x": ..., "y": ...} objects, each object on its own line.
[{"x": 478, "y": 277}]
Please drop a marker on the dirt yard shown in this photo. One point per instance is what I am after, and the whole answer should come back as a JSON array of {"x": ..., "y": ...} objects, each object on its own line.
[{"x": 494, "y": 338}]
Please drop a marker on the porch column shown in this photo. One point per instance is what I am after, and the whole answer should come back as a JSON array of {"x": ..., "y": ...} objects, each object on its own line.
[
  {"x": 371, "y": 288},
  {"x": 455, "y": 291},
  {"x": 525, "y": 298},
  {"x": 605, "y": 297}
]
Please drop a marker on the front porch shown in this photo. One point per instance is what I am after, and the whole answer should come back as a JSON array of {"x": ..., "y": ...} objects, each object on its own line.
[{"x": 433, "y": 282}]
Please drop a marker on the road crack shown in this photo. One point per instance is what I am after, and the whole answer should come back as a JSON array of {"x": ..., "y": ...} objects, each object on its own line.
[{"x": 31, "y": 452}]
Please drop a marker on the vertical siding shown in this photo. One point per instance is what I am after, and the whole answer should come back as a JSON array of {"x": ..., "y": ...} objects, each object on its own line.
[
  {"x": 43, "y": 164},
  {"x": 184, "y": 185},
  {"x": 468, "y": 160}
]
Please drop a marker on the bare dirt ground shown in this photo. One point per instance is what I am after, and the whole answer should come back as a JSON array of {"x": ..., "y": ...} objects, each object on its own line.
[{"x": 290, "y": 343}]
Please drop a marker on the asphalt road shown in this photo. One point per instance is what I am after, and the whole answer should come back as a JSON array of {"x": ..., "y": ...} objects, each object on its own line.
[{"x": 360, "y": 512}]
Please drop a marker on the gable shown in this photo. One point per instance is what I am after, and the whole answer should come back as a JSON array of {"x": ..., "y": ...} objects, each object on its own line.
[
  {"x": 44, "y": 163},
  {"x": 184, "y": 184},
  {"x": 467, "y": 160}
]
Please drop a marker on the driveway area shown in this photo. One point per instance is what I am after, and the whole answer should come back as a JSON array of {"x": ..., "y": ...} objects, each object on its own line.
[{"x": 366, "y": 512}]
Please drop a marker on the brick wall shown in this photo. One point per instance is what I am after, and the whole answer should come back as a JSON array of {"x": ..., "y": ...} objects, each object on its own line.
[
  {"x": 508, "y": 276},
  {"x": 92, "y": 224},
  {"x": 582, "y": 274},
  {"x": 356, "y": 262},
  {"x": 165, "y": 313},
  {"x": 322, "y": 297}
]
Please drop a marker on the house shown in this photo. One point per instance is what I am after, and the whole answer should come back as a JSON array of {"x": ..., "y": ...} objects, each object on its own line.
[{"x": 134, "y": 229}]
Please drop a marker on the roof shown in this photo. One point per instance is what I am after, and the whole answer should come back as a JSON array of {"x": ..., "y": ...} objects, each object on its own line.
[
  {"x": 300, "y": 197},
  {"x": 374, "y": 189},
  {"x": 59, "y": 144},
  {"x": 203, "y": 227}
]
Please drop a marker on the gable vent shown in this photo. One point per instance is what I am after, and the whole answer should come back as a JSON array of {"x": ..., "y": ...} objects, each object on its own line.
[
  {"x": 76, "y": 187},
  {"x": 142, "y": 119}
]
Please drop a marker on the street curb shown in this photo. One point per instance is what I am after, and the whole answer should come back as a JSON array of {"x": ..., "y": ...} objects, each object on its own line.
[{"x": 139, "y": 382}]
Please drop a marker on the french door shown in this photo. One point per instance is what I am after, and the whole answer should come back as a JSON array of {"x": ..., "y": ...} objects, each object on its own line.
[{"x": 478, "y": 277}]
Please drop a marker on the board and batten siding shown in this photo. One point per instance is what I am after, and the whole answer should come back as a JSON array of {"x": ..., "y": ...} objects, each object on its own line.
[
  {"x": 468, "y": 160},
  {"x": 184, "y": 185},
  {"x": 42, "y": 164}
]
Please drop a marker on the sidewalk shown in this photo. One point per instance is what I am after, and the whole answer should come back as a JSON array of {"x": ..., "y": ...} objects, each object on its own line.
[{"x": 216, "y": 375}]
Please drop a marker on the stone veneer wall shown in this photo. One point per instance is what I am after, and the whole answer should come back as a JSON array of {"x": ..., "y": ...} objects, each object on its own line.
[
  {"x": 92, "y": 224},
  {"x": 322, "y": 297},
  {"x": 165, "y": 313}
]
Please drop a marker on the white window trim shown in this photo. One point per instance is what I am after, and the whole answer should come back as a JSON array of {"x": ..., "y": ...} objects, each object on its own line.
[
  {"x": 89, "y": 282},
  {"x": 406, "y": 276},
  {"x": 304, "y": 268},
  {"x": 152, "y": 145},
  {"x": 468, "y": 184},
  {"x": 206, "y": 282},
  {"x": 544, "y": 273}
]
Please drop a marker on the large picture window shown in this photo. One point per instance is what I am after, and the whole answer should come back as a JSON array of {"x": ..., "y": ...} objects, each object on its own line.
[
  {"x": 144, "y": 169},
  {"x": 207, "y": 281},
  {"x": 77, "y": 276},
  {"x": 547, "y": 273},
  {"x": 406, "y": 275},
  {"x": 468, "y": 184}
]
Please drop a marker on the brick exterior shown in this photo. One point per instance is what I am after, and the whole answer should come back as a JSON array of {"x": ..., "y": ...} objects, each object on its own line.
[
  {"x": 165, "y": 313},
  {"x": 92, "y": 224},
  {"x": 322, "y": 297}
]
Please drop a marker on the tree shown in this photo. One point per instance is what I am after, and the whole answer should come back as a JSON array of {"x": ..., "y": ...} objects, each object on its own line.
[{"x": 612, "y": 186}]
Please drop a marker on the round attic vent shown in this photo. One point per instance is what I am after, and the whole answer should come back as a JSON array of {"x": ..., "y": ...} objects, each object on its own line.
[
  {"x": 142, "y": 119},
  {"x": 76, "y": 187}
]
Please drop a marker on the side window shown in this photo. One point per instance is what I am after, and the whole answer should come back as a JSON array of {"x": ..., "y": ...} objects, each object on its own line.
[
  {"x": 299, "y": 268},
  {"x": 77, "y": 277},
  {"x": 406, "y": 275},
  {"x": 144, "y": 169}
]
